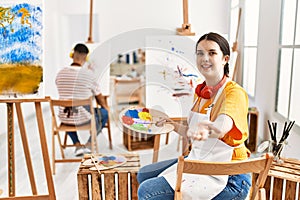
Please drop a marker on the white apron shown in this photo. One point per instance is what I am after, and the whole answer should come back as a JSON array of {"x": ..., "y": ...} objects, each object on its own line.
[{"x": 202, "y": 187}]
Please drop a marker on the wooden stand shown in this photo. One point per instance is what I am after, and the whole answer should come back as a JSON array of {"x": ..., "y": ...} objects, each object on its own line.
[
  {"x": 90, "y": 38},
  {"x": 11, "y": 149},
  {"x": 119, "y": 181},
  {"x": 186, "y": 27}
]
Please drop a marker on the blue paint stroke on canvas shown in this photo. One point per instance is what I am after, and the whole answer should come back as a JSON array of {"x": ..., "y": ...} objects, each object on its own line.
[{"x": 21, "y": 70}]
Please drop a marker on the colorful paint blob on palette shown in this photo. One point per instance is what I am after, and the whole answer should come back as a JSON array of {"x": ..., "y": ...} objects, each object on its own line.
[{"x": 139, "y": 119}]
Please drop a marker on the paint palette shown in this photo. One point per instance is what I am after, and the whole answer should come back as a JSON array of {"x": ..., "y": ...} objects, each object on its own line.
[
  {"x": 143, "y": 120},
  {"x": 105, "y": 162}
]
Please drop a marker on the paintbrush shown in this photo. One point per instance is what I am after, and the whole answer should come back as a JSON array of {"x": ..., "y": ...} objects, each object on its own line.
[
  {"x": 271, "y": 131},
  {"x": 95, "y": 163}
]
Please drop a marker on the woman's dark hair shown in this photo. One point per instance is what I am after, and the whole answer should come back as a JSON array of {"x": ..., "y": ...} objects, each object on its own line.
[{"x": 222, "y": 42}]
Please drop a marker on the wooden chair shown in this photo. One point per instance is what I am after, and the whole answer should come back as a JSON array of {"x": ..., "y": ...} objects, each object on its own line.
[
  {"x": 256, "y": 165},
  {"x": 128, "y": 90},
  {"x": 58, "y": 127},
  {"x": 107, "y": 125}
]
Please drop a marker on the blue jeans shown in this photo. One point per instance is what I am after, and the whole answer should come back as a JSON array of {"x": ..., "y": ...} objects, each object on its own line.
[
  {"x": 100, "y": 123},
  {"x": 156, "y": 188}
]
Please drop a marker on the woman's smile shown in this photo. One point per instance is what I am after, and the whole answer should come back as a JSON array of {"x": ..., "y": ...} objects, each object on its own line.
[{"x": 206, "y": 65}]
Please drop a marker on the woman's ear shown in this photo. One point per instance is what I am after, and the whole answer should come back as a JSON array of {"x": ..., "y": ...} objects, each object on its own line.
[{"x": 226, "y": 59}]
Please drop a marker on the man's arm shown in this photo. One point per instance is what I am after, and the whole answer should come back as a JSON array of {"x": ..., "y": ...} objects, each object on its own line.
[{"x": 101, "y": 101}]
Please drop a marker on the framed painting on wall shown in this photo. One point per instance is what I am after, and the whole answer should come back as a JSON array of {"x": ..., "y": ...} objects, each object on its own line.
[{"x": 21, "y": 49}]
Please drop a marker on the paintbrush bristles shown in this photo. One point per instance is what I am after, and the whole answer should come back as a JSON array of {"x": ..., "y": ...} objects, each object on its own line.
[{"x": 277, "y": 147}]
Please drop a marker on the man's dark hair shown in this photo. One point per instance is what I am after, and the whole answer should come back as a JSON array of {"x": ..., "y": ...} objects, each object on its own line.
[{"x": 81, "y": 48}]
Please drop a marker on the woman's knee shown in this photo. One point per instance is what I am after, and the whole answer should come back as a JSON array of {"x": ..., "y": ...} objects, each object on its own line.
[
  {"x": 145, "y": 173},
  {"x": 155, "y": 188},
  {"x": 154, "y": 169}
]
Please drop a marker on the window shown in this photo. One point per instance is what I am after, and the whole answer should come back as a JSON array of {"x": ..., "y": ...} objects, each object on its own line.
[
  {"x": 251, "y": 17},
  {"x": 248, "y": 53},
  {"x": 288, "y": 84}
]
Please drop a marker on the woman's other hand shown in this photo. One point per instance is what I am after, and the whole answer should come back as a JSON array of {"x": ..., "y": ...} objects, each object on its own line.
[{"x": 162, "y": 121}]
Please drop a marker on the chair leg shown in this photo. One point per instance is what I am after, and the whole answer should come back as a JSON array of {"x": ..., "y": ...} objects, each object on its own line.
[
  {"x": 262, "y": 194},
  {"x": 109, "y": 134},
  {"x": 178, "y": 143},
  {"x": 94, "y": 146},
  {"x": 53, "y": 153},
  {"x": 167, "y": 138},
  {"x": 65, "y": 141},
  {"x": 60, "y": 146}
]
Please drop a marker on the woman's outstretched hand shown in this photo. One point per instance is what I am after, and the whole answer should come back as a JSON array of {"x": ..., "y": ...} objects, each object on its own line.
[{"x": 203, "y": 130}]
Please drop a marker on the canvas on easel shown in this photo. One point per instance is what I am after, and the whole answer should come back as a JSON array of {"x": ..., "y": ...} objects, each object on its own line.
[
  {"x": 171, "y": 74},
  {"x": 21, "y": 49}
]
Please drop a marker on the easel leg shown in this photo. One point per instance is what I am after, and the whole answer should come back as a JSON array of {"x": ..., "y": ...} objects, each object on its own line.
[
  {"x": 26, "y": 148},
  {"x": 11, "y": 149},
  {"x": 40, "y": 121}
]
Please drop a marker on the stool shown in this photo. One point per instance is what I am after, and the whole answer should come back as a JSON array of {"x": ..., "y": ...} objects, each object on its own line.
[{"x": 120, "y": 180}]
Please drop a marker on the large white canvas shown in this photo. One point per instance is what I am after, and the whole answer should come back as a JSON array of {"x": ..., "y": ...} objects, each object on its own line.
[{"x": 171, "y": 74}]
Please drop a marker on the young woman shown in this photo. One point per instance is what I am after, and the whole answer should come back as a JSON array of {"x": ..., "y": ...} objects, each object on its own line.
[{"x": 217, "y": 126}]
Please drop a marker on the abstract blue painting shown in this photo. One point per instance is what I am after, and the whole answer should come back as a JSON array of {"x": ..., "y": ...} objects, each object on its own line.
[{"x": 21, "y": 49}]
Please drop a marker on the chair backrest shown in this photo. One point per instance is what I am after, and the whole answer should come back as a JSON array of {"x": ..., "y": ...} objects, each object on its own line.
[
  {"x": 56, "y": 103},
  {"x": 259, "y": 165}
]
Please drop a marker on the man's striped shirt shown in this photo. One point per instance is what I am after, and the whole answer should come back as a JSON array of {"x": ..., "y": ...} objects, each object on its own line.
[{"x": 75, "y": 82}]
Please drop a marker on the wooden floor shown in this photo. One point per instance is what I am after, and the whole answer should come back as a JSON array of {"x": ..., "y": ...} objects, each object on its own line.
[{"x": 65, "y": 179}]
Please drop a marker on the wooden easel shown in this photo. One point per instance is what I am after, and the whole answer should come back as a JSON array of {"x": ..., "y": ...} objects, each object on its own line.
[
  {"x": 90, "y": 38},
  {"x": 11, "y": 149},
  {"x": 186, "y": 27},
  {"x": 235, "y": 53}
]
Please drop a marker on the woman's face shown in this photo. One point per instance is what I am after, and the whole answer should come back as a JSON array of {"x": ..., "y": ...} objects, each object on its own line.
[{"x": 210, "y": 59}]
